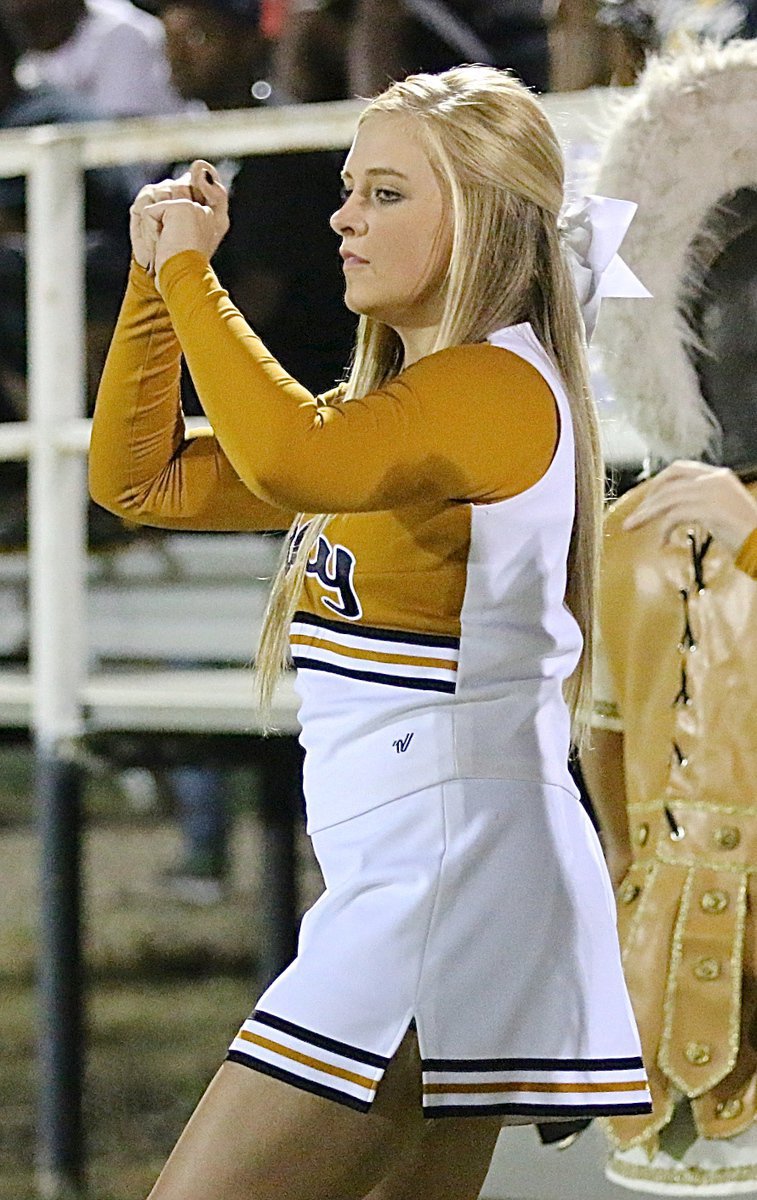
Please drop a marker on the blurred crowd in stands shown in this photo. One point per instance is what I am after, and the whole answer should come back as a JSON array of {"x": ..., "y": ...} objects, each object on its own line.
[{"x": 82, "y": 60}]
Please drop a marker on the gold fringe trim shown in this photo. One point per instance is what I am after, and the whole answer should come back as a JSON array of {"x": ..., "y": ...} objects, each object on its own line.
[
  {"x": 705, "y": 864},
  {"x": 737, "y": 969},
  {"x": 649, "y": 1138},
  {"x": 651, "y": 873},
  {"x": 674, "y": 967},
  {"x": 657, "y": 806}
]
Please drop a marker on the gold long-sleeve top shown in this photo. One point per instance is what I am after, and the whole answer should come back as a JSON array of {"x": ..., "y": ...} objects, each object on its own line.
[{"x": 452, "y": 427}]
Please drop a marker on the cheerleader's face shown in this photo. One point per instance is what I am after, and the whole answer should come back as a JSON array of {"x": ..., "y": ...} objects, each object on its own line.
[{"x": 396, "y": 233}]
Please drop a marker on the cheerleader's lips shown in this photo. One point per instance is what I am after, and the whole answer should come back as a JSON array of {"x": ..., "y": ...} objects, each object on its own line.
[{"x": 352, "y": 260}]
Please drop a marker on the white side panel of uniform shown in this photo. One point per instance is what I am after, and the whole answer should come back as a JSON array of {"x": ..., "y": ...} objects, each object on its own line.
[{"x": 519, "y": 642}]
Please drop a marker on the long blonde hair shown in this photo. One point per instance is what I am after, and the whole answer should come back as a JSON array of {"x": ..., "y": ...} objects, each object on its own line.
[{"x": 500, "y": 168}]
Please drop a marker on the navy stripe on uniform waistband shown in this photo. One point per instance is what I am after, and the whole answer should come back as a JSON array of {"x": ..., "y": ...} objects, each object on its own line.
[{"x": 401, "y": 681}]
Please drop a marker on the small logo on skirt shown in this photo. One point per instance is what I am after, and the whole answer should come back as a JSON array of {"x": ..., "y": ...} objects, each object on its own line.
[{"x": 402, "y": 744}]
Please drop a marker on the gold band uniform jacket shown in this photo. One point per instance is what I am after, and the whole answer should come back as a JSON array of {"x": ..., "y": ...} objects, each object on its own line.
[{"x": 679, "y": 633}]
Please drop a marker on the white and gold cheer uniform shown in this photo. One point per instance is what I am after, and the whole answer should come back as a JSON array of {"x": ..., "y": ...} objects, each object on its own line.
[{"x": 465, "y": 888}]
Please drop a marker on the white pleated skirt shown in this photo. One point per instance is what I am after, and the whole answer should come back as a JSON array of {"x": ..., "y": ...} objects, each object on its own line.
[{"x": 480, "y": 910}]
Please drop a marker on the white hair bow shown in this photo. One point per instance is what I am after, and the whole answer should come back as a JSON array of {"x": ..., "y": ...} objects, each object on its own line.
[{"x": 592, "y": 229}]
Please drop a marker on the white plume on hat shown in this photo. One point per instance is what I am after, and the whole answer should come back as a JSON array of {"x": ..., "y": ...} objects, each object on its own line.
[{"x": 683, "y": 140}]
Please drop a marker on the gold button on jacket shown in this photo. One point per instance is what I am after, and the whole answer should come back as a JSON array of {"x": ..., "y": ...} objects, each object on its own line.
[
  {"x": 707, "y": 968},
  {"x": 727, "y": 837},
  {"x": 698, "y": 1053},
  {"x": 714, "y": 902}
]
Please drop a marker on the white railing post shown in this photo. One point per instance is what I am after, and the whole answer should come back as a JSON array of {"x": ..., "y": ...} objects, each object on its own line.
[
  {"x": 57, "y": 383},
  {"x": 57, "y": 562}
]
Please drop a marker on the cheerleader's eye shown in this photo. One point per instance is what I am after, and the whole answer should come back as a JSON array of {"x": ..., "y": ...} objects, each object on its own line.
[{"x": 387, "y": 196}]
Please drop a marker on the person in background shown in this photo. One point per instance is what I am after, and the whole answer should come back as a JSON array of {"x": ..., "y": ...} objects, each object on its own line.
[
  {"x": 79, "y": 60},
  {"x": 107, "y": 196},
  {"x": 310, "y": 44},
  {"x": 280, "y": 259},
  {"x": 579, "y": 47},
  {"x": 109, "y": 52},
  {"x": 107, "y": 192},
  {"x": 672, "y": 764},
  {"x": 201, "y": 872},
  {"x": 331, "y": 49},
  {"x": 390, "y": 38}
]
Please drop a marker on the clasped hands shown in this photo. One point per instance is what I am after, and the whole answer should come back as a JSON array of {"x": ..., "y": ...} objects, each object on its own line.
[{"x": 189, "y": 213}]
